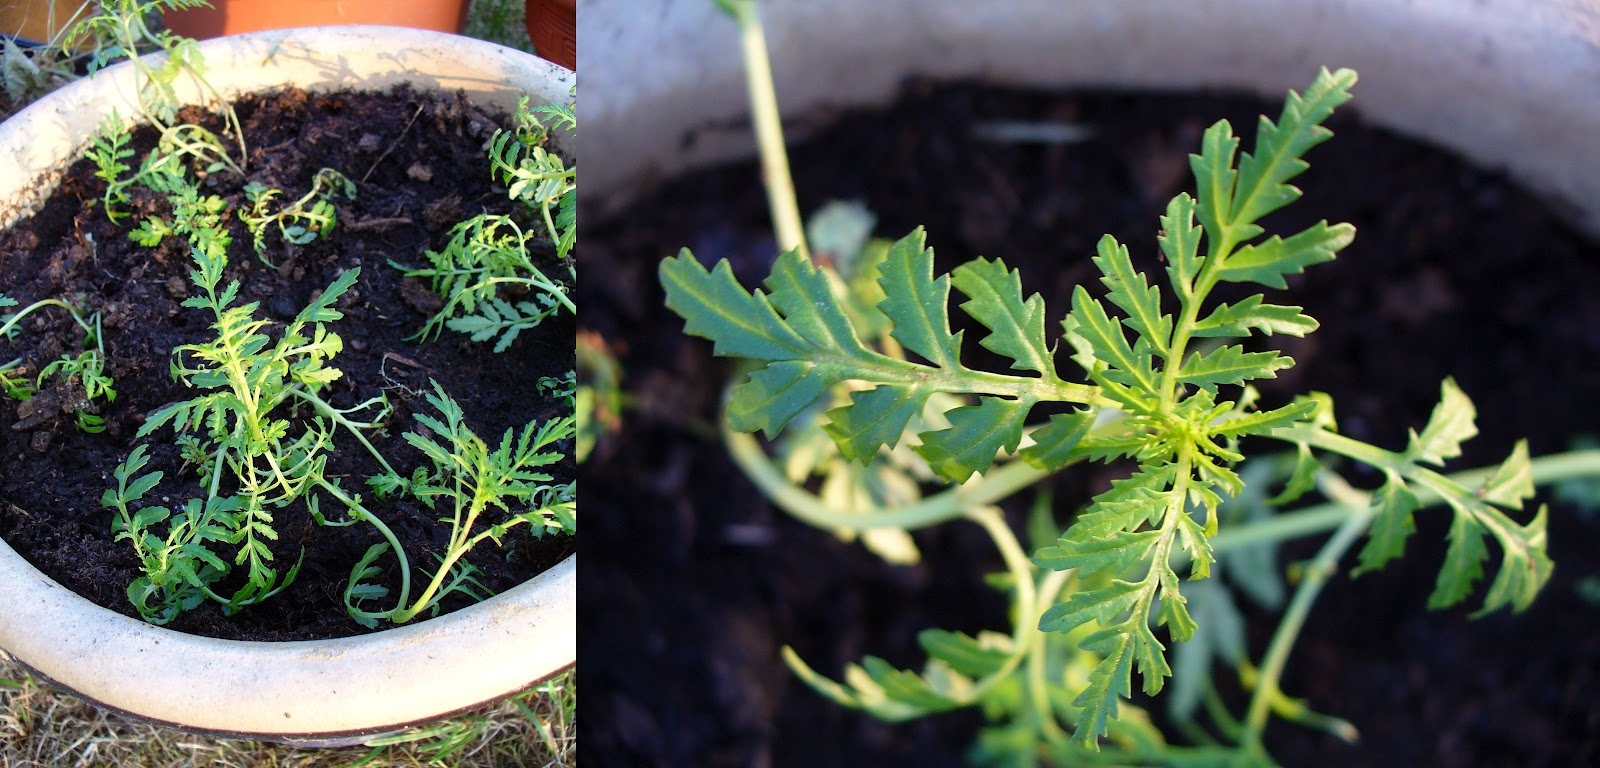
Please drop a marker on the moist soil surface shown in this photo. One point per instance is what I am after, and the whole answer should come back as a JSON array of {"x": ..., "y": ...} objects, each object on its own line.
[
  {"x": 692, "y": 581},
  {"x": 419, "y": 164}
]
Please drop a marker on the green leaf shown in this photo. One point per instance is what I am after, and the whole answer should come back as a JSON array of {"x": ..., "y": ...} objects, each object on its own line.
[
  {"x": 1130, "y": 291},
  {"x": 963, "y": 653},
  {"x": 1463, "y": 562},
  {"x": 1110, "y": 344},
  {"x": 1240, "y": 319},
  {"x": 802, "y": 293},
  {"x": 1055, "y": 442},
  {"x": 1264, "y": 172},
  {"x": 874, "y": 418},
  {"x": 1230, "y": 365},
  {"x": 1267, "y": 262},
  {"x": 1392, "y": 524},
  {"x": 1180, "y": 243},
  {"x": 915, "y": 302},
  {"x": 1215, "y": 178},
  {"x": 1524, "y": 568},
  {"x": 1114, "y": 552},
  {"x": 1512, "y": 482},
  {"x": 1262, "y": 422},
  {"x": 1016, "y": 327},
  {"x": 774, "y": 395},
  {"x": 714, "y": 306},
  {"x": 1451, "y": 424},
  {"x": 1102, "y": 605},
  {"x": 976, "y": 434}
]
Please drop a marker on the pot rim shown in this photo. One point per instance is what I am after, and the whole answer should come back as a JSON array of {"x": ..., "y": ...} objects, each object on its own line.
[
  {"x": 324, "y": 691},
  {"x": 1507, "y": 84}
]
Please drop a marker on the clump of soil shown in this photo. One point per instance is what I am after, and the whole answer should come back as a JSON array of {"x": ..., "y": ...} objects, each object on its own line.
[
  {"x": 419, "y": 163},
  {"x": 1454, "y": 272}
]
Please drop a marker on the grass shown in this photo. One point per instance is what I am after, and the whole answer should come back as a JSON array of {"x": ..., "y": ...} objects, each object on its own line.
[
  {"x": 499, "y": 21},
  {"x": 41, "y": 727}
]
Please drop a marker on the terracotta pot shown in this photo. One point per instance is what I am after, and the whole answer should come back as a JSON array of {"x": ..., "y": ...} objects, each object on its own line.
[
  {"x": 327, "y": 691},
  {"x": 553, "y": 27},
  {"x": 1507, "y": 84},
  {"x": 38, "y": 20},
  {"x": 232, "y": 17}
]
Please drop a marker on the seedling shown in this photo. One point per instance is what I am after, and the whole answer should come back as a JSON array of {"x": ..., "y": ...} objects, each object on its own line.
[
  {"x": 488, "y": 258},
  {"x": 88, "y": 366},
  {"x": 300, "y": 222},
  {"x": 863, "y": 352}
]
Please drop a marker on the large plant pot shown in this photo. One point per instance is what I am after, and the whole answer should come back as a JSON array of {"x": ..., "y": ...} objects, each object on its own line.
[
  {"x": 232, "y": 17},
  {"x": 1506, "y": 84},
  {"x": 320, "y": 691}
]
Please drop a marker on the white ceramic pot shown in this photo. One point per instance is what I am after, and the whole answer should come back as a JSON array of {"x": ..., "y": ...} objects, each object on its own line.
[
  {"x": 1508, "y": 83},
  {"x": 327, "y": 691}
]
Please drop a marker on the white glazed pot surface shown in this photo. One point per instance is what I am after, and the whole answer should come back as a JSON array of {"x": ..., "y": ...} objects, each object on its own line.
[{"x": 1511, "y": 84}]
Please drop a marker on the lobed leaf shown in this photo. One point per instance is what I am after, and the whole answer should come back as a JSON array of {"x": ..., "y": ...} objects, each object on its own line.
[
  {"x": 1130, "y": 291},
  {"x": 976, "y": 434},
  {"x": 1056, "y": 443},
  {"x": 1106, "y": 338},
  {"x": 1267, "y": 262},
  {"x": 1180, "y": 243},
  {"x": 875, "y": 418},
  {"x": 714, "y": 306},
  {"x": 915, "y": 302},
  {"x": 1238, "y": 320},
  {"x": 1392, "y": 524},
  {"x": 1016, "y": 327},
  {"x": 1265, "y": 171},
  {"x": 1230, "y": 365},
  {"x": 1451, "y": 423},
  {"x": 774, "y": 395}
]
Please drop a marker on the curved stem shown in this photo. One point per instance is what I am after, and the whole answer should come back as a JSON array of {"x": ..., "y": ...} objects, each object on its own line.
[
  {"x": 938, "y": 508},
  {"x": 361, "y": 512},
  {"x": 324, "y": 408},
  {"x": 1316, "y": 575}
]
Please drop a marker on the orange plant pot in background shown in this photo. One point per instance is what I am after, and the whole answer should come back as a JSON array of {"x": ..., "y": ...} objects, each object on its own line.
[
  {"x": 231, "y": 17},
  {"x": 553, "y": 26},
  {"x": 39, "y": 20}
]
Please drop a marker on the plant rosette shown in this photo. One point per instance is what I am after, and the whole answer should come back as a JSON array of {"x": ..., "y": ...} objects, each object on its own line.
[{"x": 335, "y": 691}]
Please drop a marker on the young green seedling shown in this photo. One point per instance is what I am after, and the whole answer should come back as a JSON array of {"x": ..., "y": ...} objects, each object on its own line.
[
  {"x": 88, "y": 366},
  {"x": 489, "y": 257},
  {"x": 1164, "y": 383}
]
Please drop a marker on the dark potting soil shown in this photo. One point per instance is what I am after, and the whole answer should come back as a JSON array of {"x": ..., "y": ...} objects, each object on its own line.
[
  {"x": 418, "y": 160},
  {"x": 693, "y": 581}
]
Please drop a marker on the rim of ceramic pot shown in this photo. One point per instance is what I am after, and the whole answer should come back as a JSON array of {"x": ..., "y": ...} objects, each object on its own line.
[
  {"x": 1509, "y": 84},
  {"x": 323, "y": 691}
]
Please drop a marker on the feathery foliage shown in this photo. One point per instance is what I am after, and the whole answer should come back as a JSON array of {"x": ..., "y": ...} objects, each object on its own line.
[{"x": 1163, "y": 381}]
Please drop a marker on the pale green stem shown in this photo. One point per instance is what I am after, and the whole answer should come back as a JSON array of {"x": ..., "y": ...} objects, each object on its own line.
[
  {"x": 941, "y": 507},
  {"x": 1021, "y": 570},
  {"x": 1316, "y": 575},
  {"x": 337, "y": 416},
  {"x": 786, "y": 223},
  {"x": 1038, "y": 648},
  {"x": 394, "y": 542}
]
